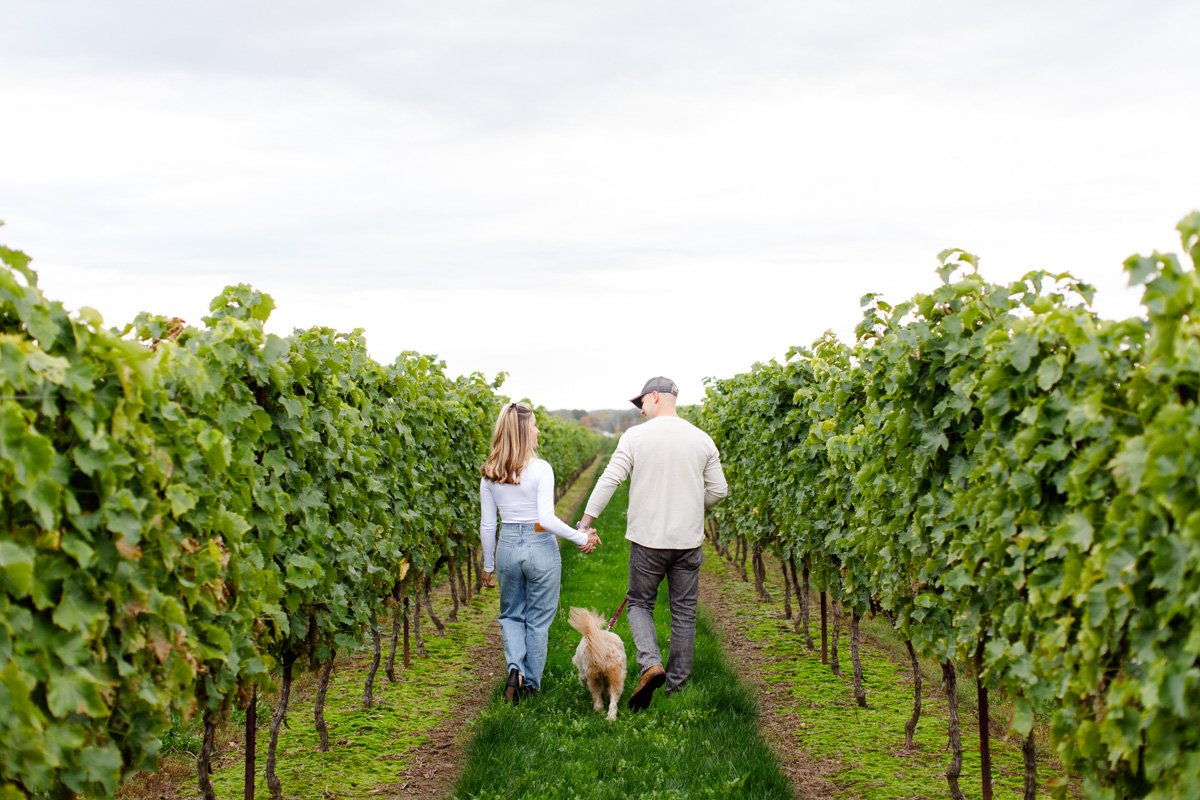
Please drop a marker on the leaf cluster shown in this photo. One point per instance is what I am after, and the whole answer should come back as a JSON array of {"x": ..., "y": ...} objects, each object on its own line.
[
  {"x": 997, "y": 467},
  {"x": 187, "y": 509}
]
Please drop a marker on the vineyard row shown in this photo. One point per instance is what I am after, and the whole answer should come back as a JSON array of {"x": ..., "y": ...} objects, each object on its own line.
[
  {"x": 190, "y": 513},
  {"x": 1013, "y": 481}
]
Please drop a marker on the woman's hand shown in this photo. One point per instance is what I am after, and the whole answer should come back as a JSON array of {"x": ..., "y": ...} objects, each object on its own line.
[{"x": 489, "y": 580}]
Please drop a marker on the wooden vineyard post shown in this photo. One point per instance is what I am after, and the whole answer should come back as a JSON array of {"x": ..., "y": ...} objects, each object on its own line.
[
  {"x": 391, "y": 662},
  {"x": 835, "y": 664},
  {"x": 787, "y": 589},
  {"x": 824, "y": 631},
  {"x": 251, "y": 741},
  {"x": 985, "y": 744},
  {"x": 450, "y": 572}
]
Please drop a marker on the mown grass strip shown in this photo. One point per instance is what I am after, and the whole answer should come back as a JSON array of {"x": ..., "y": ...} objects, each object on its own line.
[
  {"x": 868, "y": 741},
  {"x": 701, "y": 743}
]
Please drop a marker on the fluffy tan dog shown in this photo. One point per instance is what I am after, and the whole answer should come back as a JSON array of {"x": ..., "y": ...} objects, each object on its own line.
[{"x": 600, "y": 659}]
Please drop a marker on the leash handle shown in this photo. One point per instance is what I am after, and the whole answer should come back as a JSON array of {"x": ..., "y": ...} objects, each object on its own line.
[{"x": 617, "y": 615}]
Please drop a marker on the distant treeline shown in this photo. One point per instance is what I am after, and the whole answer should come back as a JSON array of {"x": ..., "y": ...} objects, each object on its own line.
[{"x": 605, "y": 420}]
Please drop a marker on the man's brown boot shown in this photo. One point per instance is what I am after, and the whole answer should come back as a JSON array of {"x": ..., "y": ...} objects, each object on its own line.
[{"x": 652, "y": 678}]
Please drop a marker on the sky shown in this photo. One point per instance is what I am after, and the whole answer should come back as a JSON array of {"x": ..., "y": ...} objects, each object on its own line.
[{"x": 585, "y": 195}]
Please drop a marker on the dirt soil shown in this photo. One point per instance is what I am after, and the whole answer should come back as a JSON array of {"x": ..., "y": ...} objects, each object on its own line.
[
  {"x": 435, "y": 765},
  {"x": 809, "y": 775}
]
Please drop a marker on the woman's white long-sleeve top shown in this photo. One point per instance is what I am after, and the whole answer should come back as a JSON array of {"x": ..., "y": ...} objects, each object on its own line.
[{"x": 530, "y": 501}]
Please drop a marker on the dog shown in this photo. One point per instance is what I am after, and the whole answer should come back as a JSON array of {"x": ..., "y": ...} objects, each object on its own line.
[{"x": 600, "y": 659}]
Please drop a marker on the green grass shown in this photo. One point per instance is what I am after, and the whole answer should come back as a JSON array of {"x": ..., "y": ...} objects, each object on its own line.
[
  {"x": 868, "y": 742},
  {"x": 699, "y": 743}
]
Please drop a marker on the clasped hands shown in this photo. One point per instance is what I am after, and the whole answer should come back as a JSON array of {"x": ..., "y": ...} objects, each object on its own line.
[{"x": 593, "y": 540}]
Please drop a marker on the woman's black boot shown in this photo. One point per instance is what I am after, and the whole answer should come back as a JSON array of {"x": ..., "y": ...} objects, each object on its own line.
[{"x": 512, "y": 689}]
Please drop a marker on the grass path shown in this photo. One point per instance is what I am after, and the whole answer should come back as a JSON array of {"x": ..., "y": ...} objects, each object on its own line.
[{"x": 700, "y": 743}]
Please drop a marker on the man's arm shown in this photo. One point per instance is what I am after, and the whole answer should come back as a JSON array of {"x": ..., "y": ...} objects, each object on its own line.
[
  {"x": 715, "y": 487},
  {"x": 618, "y": 469}
]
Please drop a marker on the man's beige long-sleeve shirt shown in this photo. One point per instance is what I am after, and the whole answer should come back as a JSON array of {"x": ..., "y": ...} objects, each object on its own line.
[{"x": 675, "y": 473}]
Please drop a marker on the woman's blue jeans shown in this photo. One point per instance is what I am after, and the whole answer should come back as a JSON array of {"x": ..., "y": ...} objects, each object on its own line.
[{"x": 530, "y": 570}]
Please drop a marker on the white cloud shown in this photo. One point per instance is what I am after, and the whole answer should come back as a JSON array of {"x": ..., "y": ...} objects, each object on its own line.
[{"x": 584, "y": 196}]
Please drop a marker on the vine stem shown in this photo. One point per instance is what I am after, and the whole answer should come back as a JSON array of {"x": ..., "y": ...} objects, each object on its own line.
[
  {"x": 860, "y": 694},
  {"x": 369, "y": 690},
  {"x": 950, "y": 679},
  {"x": 1029, "y": 755},
  {"x": 319, "y": 705},
  {"x": 805, "y": 603},
  {"x": 285, "y": 691},
  {"x": 437, "y": 623},
  {"x": 204, "y": 761},
  {"x": 910, "y": 727}
]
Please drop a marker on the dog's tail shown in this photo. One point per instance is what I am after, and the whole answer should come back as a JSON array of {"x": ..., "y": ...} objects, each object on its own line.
[{"x": 589, "y": 624}]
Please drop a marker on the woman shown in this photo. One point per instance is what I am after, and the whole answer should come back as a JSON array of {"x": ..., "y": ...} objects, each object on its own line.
[{"x": 521, "y": 486}]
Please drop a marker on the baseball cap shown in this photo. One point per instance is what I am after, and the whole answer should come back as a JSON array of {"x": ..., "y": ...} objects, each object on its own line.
[{"x": 659, "y": 384}]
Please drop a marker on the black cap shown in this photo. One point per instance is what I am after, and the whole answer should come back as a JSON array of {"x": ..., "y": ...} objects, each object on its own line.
[{"x": 659, "y": 384}]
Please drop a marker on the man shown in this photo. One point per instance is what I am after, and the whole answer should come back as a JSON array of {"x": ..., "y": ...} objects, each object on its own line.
[{"x": 675, "y": 474}]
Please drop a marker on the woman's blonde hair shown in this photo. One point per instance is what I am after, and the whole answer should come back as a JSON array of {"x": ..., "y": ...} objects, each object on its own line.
[{"x": 512, "y": 444}]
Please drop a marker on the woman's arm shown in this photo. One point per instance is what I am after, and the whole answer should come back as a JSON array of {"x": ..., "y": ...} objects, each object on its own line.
[
  {"x": 487, "y": 525},
  {"x": 545, "y": 505}
]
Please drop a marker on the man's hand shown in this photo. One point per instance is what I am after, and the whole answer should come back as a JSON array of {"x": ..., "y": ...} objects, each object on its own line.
[
  {"x": 586, "y": 522},
  {"x": 489, "y": 580}
]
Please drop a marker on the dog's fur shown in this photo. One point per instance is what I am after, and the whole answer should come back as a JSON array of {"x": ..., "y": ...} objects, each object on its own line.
[{"x": 600, "y": 659}]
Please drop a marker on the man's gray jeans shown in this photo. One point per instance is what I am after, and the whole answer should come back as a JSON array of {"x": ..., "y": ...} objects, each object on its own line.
[{"x": 647, "y": 568}]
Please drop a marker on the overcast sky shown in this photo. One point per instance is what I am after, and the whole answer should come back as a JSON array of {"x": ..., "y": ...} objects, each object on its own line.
[{"x": 584, "y": 195}]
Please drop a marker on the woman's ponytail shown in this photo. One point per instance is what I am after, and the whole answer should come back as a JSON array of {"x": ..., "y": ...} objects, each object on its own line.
[{"x": 512, "y": 444}]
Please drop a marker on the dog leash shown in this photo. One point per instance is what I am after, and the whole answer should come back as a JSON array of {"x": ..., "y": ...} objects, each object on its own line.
[
  {"x": 617, "y": 615},
  {"x": 612, "y": 622}
]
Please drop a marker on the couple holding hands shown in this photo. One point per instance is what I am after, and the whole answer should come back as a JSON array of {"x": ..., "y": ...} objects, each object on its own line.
[{"x": 675, "y": 474}]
